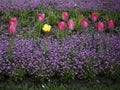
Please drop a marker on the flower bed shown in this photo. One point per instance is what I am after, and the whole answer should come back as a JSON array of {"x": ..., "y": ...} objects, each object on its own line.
[
  {"x": 48, "y": 44},
  {"x": 76, "y": 56},
  {"x": 110, "y": 5}
]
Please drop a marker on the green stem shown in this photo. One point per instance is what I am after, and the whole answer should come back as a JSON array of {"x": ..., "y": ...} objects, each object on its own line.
[{"x": 11, "y": 48}]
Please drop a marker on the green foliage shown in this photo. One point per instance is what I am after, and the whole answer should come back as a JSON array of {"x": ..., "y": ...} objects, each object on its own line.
[
  {"x": 68, "y": 76},
  {"x": 38, "y": 30},
  {"x": 52, "y": 17},
  {"x": 11, "y": 86},
  {"x": 60, "y": 34},
  {"x": 113, "y": 74},
  {"x": 6, "y": 16},
  {"x": 85, "y": 13},
  {"x": 77, "y": 21},
  {"x": 24, "y": 18},
  {"x": 20, "y": 73},
  {"x": 88, "y": 70},
  {"x": 9, "y": 53},
  {"x": 110, "y": 15}
]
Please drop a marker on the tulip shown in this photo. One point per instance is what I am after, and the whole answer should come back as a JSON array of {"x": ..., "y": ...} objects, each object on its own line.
[
  {"x": 14, "y": 20},
  {"x": 41, "y": 17},
  {"x": 12, "y": 25},
  {"x": 46, "y": 28},
  {"x": 84, "y": 23},
  {"x": 62, "y": 25},
  {"x": 11, "y": 28},
  {"x": 94, "y": 16},
  {"x": 100, "y": 26},
  {"x": 110, "y": 24},
  {"x": 65, "y": 16},
  {"x": 71, "y": 24}
]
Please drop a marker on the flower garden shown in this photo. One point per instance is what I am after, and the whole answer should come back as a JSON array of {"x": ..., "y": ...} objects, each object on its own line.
[{"x": 59, "y": 39}]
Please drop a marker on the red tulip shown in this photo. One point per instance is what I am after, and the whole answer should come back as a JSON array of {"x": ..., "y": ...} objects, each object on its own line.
[
  {"x": 110, "y": 24},
  {"x": 41, "y": 17},
  {"x": 100, "y": 26},
  {"x": 84, "y": 23},
  {"x": 12, "y": 25},
  {"x": 12, "y": 28},
  {"x": 94, "y": 16},
  {"x": 13, "y": 20},
  {"x": 65, "y": 16},
  {"x": 62, "y": 25},
  {"x": 71, "y": 24}
]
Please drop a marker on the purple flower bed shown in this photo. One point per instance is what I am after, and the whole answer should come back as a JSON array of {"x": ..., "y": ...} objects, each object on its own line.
[
  {"x": 11, "y": 5},
  {"x": 79, "y": 55},
  {"x": 110, "y": 5}
]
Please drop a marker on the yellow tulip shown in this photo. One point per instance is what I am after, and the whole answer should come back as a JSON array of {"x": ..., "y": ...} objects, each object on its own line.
[{"x": 46, "y": 28}]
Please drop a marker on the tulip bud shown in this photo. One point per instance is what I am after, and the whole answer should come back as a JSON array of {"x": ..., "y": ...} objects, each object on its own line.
[
  {"x": 65, "y": 16},
  {"x": 11, "y": 28},
  {"x": 94, "y": 16},
  {"x": 12, "y": 25},
  {"x": 71, "y": 24},
  {"x": 41, "y": 17},
  {"x": 100, "y": 26},
  {"x": 110, "y": 24},
  {"x": 62, "y": 25},
  {"x": 14, "y": 20},
  {"x": 84, "y": 23}
]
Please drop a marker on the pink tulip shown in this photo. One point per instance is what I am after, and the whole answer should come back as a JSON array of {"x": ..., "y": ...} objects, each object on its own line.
[
  {"x": 13, "y": 20},
  {"x": 71, "y": 24},
  {"x": 110, "y": 24},
  {"x": 62, "y": 25},
  {"x": 94, "y": 16},
  {"x": 41, "y": 17},
  {"x": 11, "y": 28},
  {"x": 12, "y": 25},
  {"x": 100, "y": 26},
  {"x": 84, "y": 23},
  {"x": 65, "y": 16}
]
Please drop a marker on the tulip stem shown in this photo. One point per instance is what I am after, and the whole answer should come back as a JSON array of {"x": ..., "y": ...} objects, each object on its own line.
[
  {"x": 101, "y": 41},
  {"x": 11, "y": 44}
]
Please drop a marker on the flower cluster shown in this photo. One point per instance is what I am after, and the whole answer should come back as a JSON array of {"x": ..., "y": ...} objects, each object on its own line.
[
  {"x": 79, "y": 55},
  {"x": 66, "y": 23},
  {"x": 11, "y": 5},
  {"x": 111, "y": 5}
]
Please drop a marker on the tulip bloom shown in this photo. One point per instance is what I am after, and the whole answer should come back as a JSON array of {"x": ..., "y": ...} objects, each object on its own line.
[
  {"x": 41, "y": 17},
  {"x": 12, "y": 25},
  {"x": 65, "y": 16},
  {"x": 46, "y": 28},
  {"x": 14, "y": 20},
  {"x": 110, "y": 24},
  {"x": 71, "y": 24},
  {"x": 84, "y": 23},
  {"x": 100, "y": 26},
  {"x": 62, "y": 25},
  {"x": 94, "y": 16},
  {"x": 11, "y": 28}
]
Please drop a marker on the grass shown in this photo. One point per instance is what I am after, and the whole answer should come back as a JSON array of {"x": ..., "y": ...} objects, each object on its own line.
[{"x": 33, "y": 86}]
